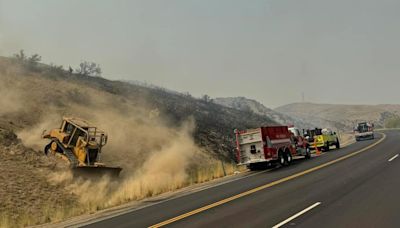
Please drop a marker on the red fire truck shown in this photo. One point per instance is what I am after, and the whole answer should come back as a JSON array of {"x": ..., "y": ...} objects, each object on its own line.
[{"x": 259, "y": 147}]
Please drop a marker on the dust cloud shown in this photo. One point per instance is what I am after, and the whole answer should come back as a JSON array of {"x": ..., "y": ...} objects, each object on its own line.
[
  {"x": 155, "y": 157},
  {"x": 10, "y": 99},
  {"x": 32, "y": 137},
  {"x": 163, "y": 169}
]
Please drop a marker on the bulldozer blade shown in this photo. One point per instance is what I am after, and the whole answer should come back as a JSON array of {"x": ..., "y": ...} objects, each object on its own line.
[{"x": 96, "y": 171}]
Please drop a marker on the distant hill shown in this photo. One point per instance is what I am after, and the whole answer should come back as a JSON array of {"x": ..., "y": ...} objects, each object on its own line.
[
  {"x": 250, "y": 105},
  {"x": 342, "y": 117}
]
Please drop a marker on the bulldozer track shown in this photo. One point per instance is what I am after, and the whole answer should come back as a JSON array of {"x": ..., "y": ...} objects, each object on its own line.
[{"x": 69, "y": 154}]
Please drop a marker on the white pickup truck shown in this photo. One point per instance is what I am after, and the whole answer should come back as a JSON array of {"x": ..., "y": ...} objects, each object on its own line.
[{"x": 364, "y": 130}]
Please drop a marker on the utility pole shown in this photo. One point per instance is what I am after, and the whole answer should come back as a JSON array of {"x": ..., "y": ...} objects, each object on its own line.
[{"x": 304, "y": 75}]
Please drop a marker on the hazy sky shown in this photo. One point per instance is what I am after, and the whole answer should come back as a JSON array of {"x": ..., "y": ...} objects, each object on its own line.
[{"x": 337, "y": 51}]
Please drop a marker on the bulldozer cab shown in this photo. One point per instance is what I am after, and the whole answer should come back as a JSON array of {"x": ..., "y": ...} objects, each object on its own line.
[
  {"x": 84, "y": 139},
  {"x": 79, "y": 131}
]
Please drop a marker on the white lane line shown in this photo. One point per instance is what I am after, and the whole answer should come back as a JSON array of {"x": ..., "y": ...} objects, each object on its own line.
[
  {"x": 296, "y": 215},
  {"x": 394, "y": 157}
]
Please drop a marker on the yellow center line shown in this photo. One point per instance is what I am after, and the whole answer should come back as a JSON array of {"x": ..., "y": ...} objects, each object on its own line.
[{"x": 240, "y": 195}]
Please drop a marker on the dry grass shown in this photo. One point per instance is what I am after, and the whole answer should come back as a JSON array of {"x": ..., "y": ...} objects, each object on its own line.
[
  {"x": 213, "y": 170},
  {"x": 346, "y": 138},
  {"x": 26, "y": 197},
  {"x": 116, "y": 195},
  {"x": 5, "y": 220}
]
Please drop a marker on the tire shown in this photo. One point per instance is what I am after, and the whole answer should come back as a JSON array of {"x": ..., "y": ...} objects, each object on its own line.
[
  {"x": 308, "y": 153},
  {"x": 281, "y": 159},
  {"x": 288, "y": 157},
  {"x": 337, "y": 144},
  {"x": 47, "y": 148},
  {"x": 373, "y": 136},
  {"x": 326, "y": 147}
]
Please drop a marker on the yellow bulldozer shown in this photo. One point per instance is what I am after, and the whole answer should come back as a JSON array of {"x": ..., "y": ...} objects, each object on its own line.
[{"x": 79, "y": 143}]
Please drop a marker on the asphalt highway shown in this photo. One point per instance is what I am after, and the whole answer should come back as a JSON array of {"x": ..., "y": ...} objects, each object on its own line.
[{"x": 357, "y": 186}]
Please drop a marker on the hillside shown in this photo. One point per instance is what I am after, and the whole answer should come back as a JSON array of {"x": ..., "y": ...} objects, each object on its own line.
[
  {"x": 341, "y": 116},
  {"x": 37, "y": 94},
  {"x": 162, "y": 140},
  {"x": 253, "y": 106}
]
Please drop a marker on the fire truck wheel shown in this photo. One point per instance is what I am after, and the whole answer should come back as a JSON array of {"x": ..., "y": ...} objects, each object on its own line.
[
  {"x": 281, "y": 158},
  {"x": 326, "y": 147},
  {"x": 308, "y": 153},
  {"x": 288, "y": 157}
]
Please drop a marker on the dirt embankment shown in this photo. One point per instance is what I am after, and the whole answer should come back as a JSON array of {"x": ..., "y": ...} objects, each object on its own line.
[{"x": 25, "y": 193}]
